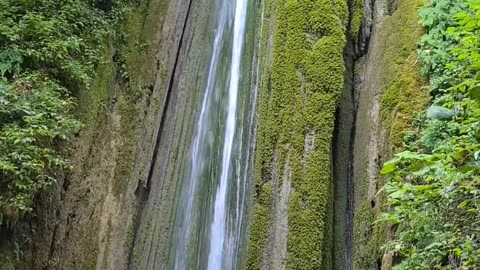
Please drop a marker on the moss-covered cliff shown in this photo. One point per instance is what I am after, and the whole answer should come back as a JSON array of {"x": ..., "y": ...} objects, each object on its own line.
[
  {"x": 87, "y": 220},
  {"x": 305, "y": 60},
  {"x": 121, "y": 191},
  {"x": 302, "y": 77},
  {"x": 390, "y": 93}
]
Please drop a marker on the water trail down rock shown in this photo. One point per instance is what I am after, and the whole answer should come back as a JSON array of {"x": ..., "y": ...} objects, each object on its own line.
[
  {"x": 185, "y": 214},
  {"x": 210, "y": 203},
  {"x": 219, "y": 230}
]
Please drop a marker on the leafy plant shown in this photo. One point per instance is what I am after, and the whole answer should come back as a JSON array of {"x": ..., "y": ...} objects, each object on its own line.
[
  {"x": 435, "y": 47},
  {"x": 49, "y": 49},
  {"x": 434, "y": 185},
  {"x": 35, "y": 117}
]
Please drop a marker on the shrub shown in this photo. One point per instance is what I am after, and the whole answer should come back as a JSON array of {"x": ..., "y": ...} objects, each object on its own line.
[
  {"x": 48, "y": 50},
  {"x": 434, "y": 186}
]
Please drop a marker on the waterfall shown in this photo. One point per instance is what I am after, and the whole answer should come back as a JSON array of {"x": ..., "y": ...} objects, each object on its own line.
[
  {"x": 210, "y": 205},
  {"x": 218, "y": 227}
]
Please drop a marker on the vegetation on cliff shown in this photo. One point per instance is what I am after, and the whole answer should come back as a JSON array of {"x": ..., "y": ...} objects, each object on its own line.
[
  {"x": 434, "y": 185},
  {"x": 391, "y": 79},
  {"x": 297, "y": 103},
  {"x": 49, "y": 51}
]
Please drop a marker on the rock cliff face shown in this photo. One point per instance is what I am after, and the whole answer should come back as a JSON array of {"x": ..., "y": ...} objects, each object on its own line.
[
  {"x": 302, "y": 79},
  {"x": 338, "y": 86},
  {"x": 88, "y": 220},
  {"x": 318, "y": 189},
  {"x": 390, "y": 92},
  {"x": 185, "y": 87}
]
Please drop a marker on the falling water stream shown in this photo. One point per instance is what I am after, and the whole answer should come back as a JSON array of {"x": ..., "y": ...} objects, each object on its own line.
[{"x": 211, "y": 202}]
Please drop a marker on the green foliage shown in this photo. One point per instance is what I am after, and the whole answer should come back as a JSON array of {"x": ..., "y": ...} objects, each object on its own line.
[
  {"x": 59, "y": 37},
  {"x": 34, "y": 117},
  {"x": 434, "y": 186},
  {"x": 48, "y": 50},
  {"x": 435, "y": 47}
]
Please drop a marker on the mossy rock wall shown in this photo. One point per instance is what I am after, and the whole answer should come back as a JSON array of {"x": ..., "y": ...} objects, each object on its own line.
[
  {"x": 156, "y": 231},
  {"x": 87, "y": 221},
  {"x": 390, "y": 93},
  {"x": 302, "y": 78}
]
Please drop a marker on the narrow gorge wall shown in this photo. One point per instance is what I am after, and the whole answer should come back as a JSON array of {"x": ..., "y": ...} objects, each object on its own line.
[
  {"x": 390, "y": 92},
  {"x": 302, "y": 78},
  {"x": 88, "y": 220},
  {"x": 338, "y": 85},
  {"x": 178, "y": 210},
  {"x": 318, "y": 188}
]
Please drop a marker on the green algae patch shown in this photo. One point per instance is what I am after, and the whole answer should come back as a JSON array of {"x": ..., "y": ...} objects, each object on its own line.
[
  {"x": 93, "y": 100},
  {"x": 303, "y": 77},
  {"x": 402, "y": 100},
  {"x": 135, "y": 63},
  {"x": 260, "y": 220},
  {"x": 142, "y": 33},
  {"x": 369, "y": 238},
  {"x": 402, "y": 93}
]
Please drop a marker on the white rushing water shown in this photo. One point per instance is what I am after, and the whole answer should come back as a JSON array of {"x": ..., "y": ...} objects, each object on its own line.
[
  {"x": 198, "y": 151},
  {"x": 210, "y": 207},
  {"x": 218, "y": 227}
]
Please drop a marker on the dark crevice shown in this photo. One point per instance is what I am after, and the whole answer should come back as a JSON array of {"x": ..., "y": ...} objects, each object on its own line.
[
  {"x": 365, "y": 33},
  {"x": 54, "y": 236},
  {"x": 392, "y": 6},
  {"x": 335, "y": 167},
  {"x": 345, "y": 118},
  {"x": 343, "y": 142},
  {"x": 166, "y": 102},
  {"x": 142, "y": 192}
]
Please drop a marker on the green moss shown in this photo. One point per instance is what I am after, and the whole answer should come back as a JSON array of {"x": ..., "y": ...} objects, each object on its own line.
[
  {"x": 369, "y": 238},
  {"x": 137, "y": 65},
  {"x": 93, "y": 100},
  {"x": 402, "y": 93},
  {"x": 356, "y": 17},
  {"x": 128, "y": 110},
  {"x": 397, "y": 106},
  {"x": 142, "y": 33},
  {"x": 299, "y": 95},
  {"x": 259, "y": 228},
  {"x": 130, "y": 238},
  {"x": 261, "y": 214},
  {"x": 401, "y": 96},
  {"x": 90, "y": 247}
]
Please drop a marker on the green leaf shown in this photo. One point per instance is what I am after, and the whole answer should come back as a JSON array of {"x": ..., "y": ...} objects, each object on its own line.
[
  {"x": 388, "y": 168},
  {"x": 475, "y": 92},
  {"x": 477, "y": 77},
  {"x": 463, "y": 204},
  {"x": 433, "y": 245}
]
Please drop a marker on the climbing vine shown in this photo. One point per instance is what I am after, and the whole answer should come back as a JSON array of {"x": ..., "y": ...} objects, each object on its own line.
[{"x": 434, "y": 185}]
